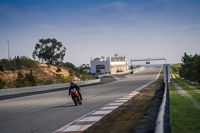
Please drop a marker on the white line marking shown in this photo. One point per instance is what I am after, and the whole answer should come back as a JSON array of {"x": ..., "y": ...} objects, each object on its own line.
[
  {"x": 111, "y": 107},
  {"x": 121, "y": 101},
  {"x": 77, "y": 128},
  {"x": 125, "y": 98},
  {"x": 71, "y": 127},
  {"x": 95, "y": 118},
  {"x": 102, "y": 112},
  {"x": 115, "y": 103}
]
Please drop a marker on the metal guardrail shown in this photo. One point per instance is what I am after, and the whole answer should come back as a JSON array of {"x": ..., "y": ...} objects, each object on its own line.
[
  {"x": 21, "y": 90},
  {"x": 163, "y": 122}
]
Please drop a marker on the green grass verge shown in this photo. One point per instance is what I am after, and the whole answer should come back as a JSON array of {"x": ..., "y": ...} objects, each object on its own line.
[
  {"x": 185, "y": 117},
  {"x": 189, "y": 83},
  {"x": 194, "y": 94},
  {"x": 177, "y": 65}
]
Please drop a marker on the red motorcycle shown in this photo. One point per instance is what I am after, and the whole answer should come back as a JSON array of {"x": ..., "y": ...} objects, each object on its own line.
[{"x": 75, "y": 96}]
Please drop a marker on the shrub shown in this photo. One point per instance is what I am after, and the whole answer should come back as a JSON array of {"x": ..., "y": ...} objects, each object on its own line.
[
  {"x": 30, "y": 78},
  {"x": 27, "y": 80},
  {"x": 20, "y": 82},
  {"x": 58, "y": 69},
  {"x": 2, "y": 84},
  {"x": 1, "y": 68},
  {"x": 19, "y": 63}
]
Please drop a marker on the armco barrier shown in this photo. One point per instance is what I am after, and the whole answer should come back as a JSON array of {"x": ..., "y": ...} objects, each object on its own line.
[
  {"x": 12, "y": 91},
  {"x": 163, "y": 122}
]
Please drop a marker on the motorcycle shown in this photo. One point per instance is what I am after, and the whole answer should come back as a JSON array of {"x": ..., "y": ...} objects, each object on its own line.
[{"x": 75, "y": 96}]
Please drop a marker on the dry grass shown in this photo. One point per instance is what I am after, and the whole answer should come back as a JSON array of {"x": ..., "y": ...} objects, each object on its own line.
[{"x": 127, "y": 116}]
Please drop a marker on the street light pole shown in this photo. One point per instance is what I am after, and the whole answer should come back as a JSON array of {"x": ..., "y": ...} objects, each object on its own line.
[{"x": 8, "y": 51}]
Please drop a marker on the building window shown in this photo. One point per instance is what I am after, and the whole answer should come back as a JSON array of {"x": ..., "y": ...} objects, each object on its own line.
[{"x": 100, "y": 67}]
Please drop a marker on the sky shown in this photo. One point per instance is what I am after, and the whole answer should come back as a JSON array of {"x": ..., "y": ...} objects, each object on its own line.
[{"x": 137, "y": 29}]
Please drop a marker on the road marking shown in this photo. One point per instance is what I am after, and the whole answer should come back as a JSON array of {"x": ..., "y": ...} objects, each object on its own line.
[
  {"x": 91, "y": 118},
  {"x": 94, "y": 116},
  {"x": 125, "y": 98},
  {"x": 77, "y": 128},
  {"x": 110, "y": 107},
  {"x": 115, "y": 103},
  {"x": 121, "y": 101},
  {"x": 102, "y": 112}
]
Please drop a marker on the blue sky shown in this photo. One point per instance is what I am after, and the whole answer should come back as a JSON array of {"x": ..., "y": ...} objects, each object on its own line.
[{"x": 94, "y": 28}]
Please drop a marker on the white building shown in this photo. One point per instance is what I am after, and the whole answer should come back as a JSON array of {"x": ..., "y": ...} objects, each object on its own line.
[{"x": 109, "y": 64}]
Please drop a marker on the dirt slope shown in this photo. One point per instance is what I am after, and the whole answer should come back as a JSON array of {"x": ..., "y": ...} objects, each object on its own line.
[{"x": 43, "y": 72}]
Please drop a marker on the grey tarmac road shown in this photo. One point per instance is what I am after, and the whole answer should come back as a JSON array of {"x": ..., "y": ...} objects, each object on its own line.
[{"x": 47, "y": 112}]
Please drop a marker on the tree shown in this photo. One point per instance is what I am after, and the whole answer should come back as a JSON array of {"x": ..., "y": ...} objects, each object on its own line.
[
  {"x": 69, "y": 65},
  {"x": 190, "y": 69},
  {"x": 50, "y": 51}
]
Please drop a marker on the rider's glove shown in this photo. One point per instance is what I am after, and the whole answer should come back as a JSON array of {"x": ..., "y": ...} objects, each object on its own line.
[{"x": 69, "y": 93}]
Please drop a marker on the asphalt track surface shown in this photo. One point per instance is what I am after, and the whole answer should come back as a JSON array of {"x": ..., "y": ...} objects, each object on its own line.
[{"x": 47, "y": 112}]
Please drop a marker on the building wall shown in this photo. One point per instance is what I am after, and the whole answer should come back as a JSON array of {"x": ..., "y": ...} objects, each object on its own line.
[
  {"x": 94, "y": 63},
  {"x": 112, "y": 64},
  {"x": 118, "y": 66}
]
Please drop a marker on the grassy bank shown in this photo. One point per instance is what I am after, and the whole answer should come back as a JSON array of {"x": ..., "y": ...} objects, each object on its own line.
[
  {"x": 185, "y": 117},
  {"x": 194, "y": 94}
]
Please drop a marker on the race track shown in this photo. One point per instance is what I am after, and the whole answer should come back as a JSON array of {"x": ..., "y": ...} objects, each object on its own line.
[{"x": 47, "y": 112}]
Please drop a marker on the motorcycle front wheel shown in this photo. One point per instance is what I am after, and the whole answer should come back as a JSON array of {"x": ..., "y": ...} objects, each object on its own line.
[
  {"x": 75, "y": 100},
  {"x": 80, "y": 102}
]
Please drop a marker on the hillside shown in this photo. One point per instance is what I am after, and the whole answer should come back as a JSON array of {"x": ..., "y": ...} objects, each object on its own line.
[{"x": 41, "y": 73}]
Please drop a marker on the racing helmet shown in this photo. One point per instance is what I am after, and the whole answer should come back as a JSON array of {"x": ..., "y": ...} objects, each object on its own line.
[{"x": 72, "y": 83}]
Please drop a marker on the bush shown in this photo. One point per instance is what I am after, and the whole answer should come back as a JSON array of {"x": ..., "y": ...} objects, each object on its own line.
[
  {"x": 19, "y": 63},
  {"x": 20, "y": 82},
  {"x": 45, "y": 82},
  {"x": 77, "y": 71},
  {"x": 65, "y": 80},
  {"x": 69, "y": 65},
  {"x": 58, "y": 69},
  {"x": 2, "y": 84},
  {"x": 30, "y": 78},
  {"x": 27, "y": 80},
  {"x": 1, "y": 68}
]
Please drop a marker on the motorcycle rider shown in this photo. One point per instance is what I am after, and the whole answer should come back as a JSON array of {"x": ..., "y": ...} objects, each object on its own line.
[{"x": 73, "y": 85}]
